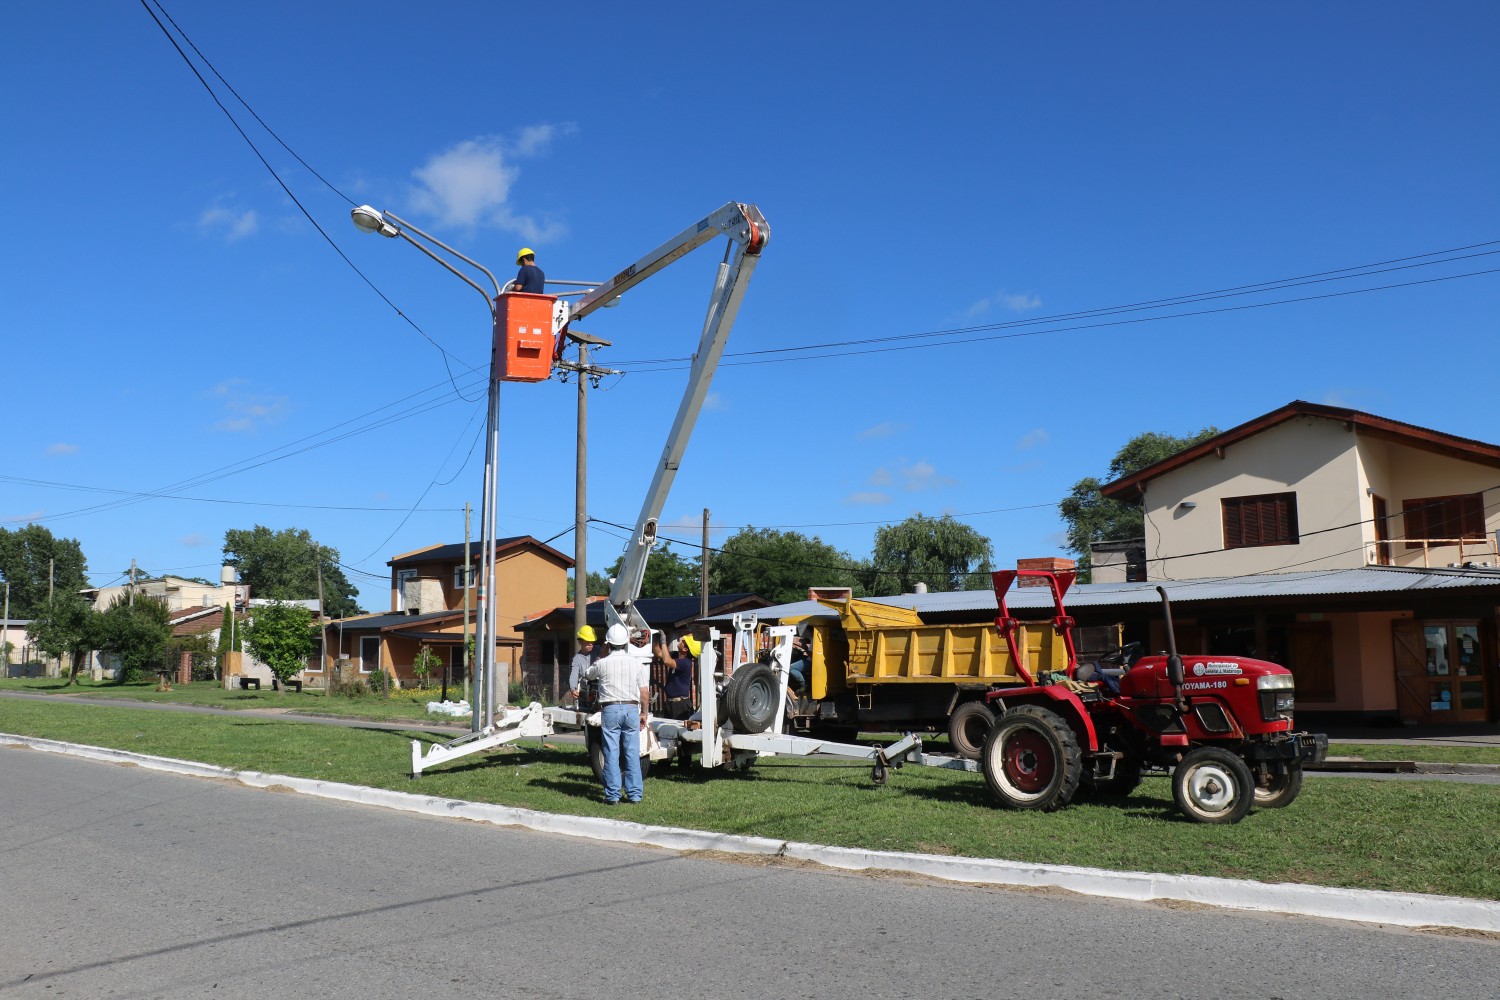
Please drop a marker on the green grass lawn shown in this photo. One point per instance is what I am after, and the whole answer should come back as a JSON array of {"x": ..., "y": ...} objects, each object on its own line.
[
  {"x": 1414, "y": 836},
  {"x": 1430, "y": 754},
  {"x": 402, "y": 707}
]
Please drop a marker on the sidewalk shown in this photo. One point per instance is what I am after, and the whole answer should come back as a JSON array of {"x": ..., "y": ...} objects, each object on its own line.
[{"x": 1471, "y": 735}]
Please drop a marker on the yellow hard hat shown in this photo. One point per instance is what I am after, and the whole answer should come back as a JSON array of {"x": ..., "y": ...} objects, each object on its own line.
[
  {"x": 586, "y": 634},
  {"x": 523, "y": 253},
  {"x": 694, "y": 647}
]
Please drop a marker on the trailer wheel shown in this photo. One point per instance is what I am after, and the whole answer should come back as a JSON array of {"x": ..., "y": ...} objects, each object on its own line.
[
  {"x": 1277, "y": 790},
  {"x": 1212, "y": 785},
  {"x": 753, "y": 699},
  {"x": 968, "y": 726},
  {"x": 1031, "y": 759},
  {"x": 594, "y": 740}
]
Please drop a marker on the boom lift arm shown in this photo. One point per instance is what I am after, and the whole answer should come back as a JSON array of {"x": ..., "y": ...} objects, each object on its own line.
[{"x": 749, "y": 234}]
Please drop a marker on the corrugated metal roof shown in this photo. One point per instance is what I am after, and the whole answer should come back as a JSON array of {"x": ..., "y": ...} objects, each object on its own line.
[{"x": 1317, "y": 583}]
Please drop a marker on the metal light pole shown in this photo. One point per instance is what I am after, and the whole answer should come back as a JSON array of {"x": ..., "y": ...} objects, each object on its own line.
[{"x": 371, "y": 220}]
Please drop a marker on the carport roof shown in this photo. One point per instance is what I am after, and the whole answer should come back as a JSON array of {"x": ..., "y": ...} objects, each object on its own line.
[{"x": 1317, "y": 583}]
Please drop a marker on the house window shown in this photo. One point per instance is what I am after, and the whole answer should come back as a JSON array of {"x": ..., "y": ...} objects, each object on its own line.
[
  {"x": 463, "y": 578},
  {"x": 369, "y": 654},
  {"x": 402, "y": 576},
  {"x": 315, "y": 660},
  {"x": 1268, "y": 519},
  {"x": 1444, "y": 519}
]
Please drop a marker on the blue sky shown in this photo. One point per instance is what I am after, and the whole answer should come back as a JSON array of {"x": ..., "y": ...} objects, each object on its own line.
[{"x": 173, "y": 324}]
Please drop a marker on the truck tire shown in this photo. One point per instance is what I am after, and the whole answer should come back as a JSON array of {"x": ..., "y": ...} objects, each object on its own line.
[
  {"x": 1031, "y": 759},
  {"x": 967, "y": 727},
  {"x": 594, "y": 740},
  {"x": 752, "y": 699},
  {"x": 1278, "y": 790},
  {"x": 1212, "y": 785}
]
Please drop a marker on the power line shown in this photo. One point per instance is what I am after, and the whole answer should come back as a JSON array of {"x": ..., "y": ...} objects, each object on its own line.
[
  {"x": 220, "y": 500},
  {"x": 283, "y": 185}
]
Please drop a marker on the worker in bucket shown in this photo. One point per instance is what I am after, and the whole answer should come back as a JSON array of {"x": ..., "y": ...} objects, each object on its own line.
[
  {"x": 581, "y": 659},
  {"x": 624, "y": 695},
  {"x": 678, "y": 687},
  {"x": 530, "y": 278}
]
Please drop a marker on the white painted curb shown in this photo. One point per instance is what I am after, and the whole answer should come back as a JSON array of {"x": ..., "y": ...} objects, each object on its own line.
[{"x": 1405, "y": 909}]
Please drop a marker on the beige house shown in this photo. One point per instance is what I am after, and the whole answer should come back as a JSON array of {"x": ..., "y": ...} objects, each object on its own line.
[
  {"x": 428, "y": 591},
  {"x": 1357, "y": 550},
  {"x": 179, "y": 593}
]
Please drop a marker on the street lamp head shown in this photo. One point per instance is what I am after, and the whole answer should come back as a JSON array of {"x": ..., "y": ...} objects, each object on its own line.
[{"x": 370, "y": 220}]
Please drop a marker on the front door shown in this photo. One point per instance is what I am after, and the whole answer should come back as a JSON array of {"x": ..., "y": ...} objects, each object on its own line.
[{"x": 1440, "y": 671}]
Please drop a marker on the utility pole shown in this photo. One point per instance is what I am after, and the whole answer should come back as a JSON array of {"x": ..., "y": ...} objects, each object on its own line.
[
  {"x": 703, "y": 568},
  {"x": 132, "y": 583},
  {"x": 468, "y": 589},
  {"x": 5, "y": 636},
  {"x": 585, "y": 373},
  {"x": 51, "y": 577},
  {"x": 322, "y": 620}
]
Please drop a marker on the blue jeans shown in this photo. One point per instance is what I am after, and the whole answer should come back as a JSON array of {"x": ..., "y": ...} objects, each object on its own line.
[{"x": 621, "y": 733}]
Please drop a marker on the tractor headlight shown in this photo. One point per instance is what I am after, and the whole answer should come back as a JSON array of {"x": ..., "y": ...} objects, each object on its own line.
[{"x": 1277, "y": 696}]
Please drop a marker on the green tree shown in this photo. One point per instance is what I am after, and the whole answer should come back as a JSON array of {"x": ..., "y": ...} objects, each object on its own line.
[
  {"x": 780, "y": 565},
  {"x": 425, "y": 663},
  {"x": 135, "y": 634},
  {"x": 282, "y": 566},
  {"x": 25, "y": 557},
  {"x": 282, "y": 636},
  {"x": 943, "y": 553},
  {"x": 69, "y": 626},
  {"x": 1092, "y": 517},
  {"x": 598, "y": 585},
  {"x": 667, "y": 575}
]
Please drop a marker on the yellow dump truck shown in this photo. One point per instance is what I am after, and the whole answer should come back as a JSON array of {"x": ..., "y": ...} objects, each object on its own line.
[{"x": 881, "y": 667}]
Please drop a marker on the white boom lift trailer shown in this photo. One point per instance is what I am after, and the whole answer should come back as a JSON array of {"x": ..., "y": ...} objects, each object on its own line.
[{"x": 759, "y": 695}]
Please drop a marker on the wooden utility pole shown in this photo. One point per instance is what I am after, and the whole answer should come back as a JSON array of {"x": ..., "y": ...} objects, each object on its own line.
[
  {"x": 585, "y": 373},
  {"x": 132, "y": 583},
  {"x": 322, "y": 621},
  {"x": 51, "y": 577},
  {"x": 703, "y": 570}
]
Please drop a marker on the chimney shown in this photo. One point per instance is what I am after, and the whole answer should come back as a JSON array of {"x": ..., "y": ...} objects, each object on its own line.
[
  {"x": 1051, "y": 564},
  {"x": 919, "y": 588}
]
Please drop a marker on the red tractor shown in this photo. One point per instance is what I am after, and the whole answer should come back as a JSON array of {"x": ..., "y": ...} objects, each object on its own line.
[{"x": 1221, "y": 724}]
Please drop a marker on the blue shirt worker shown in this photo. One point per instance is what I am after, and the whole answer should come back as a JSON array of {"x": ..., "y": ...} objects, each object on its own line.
[
  {"x": 530, "y": 278},
  {"x": 678, "y": 688},
  {"x": 624, "y": 695}
]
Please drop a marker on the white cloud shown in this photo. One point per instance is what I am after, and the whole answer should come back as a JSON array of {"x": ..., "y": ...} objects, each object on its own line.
[
  {"x": 867, "y": 497},
  {"x": 921, "y": 476},
  {"x": 714, "y": 401},
  {"x": 35, "y": 515},
  {"x": 469, "y": 184},
  {"x": 380, "y": 496},
  {"x": 230, "y": 224},
  {"x": 1033, "y": 439},
  {"x": 1010, "y": 301},
  {"x": 62, "y": 448},
  {"x": 192, "y": 541},
  {"x": 245, "y": 410},
  {"x": 881, "y": 477},
  {"x": 881, "y": 430}
]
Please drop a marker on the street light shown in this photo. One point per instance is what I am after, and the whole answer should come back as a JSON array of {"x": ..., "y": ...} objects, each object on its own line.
[{"x": 372, "y": 220}]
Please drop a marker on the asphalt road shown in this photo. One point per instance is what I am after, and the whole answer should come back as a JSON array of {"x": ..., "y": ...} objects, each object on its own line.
[{"x": 122, "y": 882}]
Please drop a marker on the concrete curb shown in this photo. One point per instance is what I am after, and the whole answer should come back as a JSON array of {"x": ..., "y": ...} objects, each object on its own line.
[{"x": 1402, "y": 909}]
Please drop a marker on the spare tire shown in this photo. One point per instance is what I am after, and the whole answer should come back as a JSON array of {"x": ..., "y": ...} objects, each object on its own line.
[
  {"x": 752, "y": 698},
  {"x": 968, "y": 726}
]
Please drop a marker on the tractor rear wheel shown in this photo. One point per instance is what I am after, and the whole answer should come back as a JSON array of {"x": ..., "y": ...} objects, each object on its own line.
[
  {"x": 594, "y": 740},
  {"x": 967, "y": 728},
  {"x": 1212, "y": 785},
  {"x": 1277, "y": 790},
  {"x": 1031, "y": 759}
]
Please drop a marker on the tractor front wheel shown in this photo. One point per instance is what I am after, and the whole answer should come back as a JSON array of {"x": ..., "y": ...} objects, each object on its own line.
[
  {"x": 1212, "y": 785},
  {"x": 1031, "y": 759},
  {"x": 1276, "y": 790}
]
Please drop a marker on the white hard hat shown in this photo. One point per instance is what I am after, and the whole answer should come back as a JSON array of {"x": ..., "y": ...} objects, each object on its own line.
[{"x": 618, "y": 635}]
